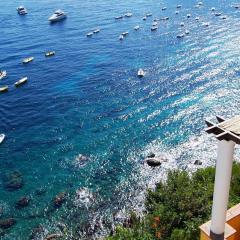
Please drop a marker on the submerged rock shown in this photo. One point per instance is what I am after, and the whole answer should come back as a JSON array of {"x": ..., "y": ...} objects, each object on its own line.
[
  {"x": 60, "y": 199},
  {"x": 53, "y": 236},
  {"x": 22, "y": 202},
  {"x": 152, "y": 155},
  {"x": 40, "y": 191},
  {"x": 14, "y": 181},
  {"x": 81, "y": 159},
  {"x": 38, "y": 230},
  {"x": 153, "y": 162},
  {"x": 197, "y": 162},
  {"x": 7, "y": 223}
]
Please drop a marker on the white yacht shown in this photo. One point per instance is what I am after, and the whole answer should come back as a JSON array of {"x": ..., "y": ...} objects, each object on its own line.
[
  {"x": 154, "y": 24},
  {"x": 124, "y": 34},
  {"x": 188, "y": 15},
  {"x": 154, "y": 28},
  {"x": 213, "y": 9},
  {"x": 22, "y": 10},
  {"x": 136, "y": 28},
  {"x": 179, "y": 6},
  {"x": 129, "y": 14},
  {"x": 121, "y": 37},
  {"x": 182, "y": 24},
  {"x": 177, "y": 12},
  {"x": 2, "y": 137},
  {"x": 89, "y": 34},
  {"x": 197, "y": 18},
  {"x": 181, "y": 35},
  {"x": 141, "y": 73},
  {"x": 3, "y": 74},
  {"x": 57, "y": 16},
  {"x": 187, "y": 32},
  {"x": 206, "y": 24},
  {"x": 96, "y": 30}
]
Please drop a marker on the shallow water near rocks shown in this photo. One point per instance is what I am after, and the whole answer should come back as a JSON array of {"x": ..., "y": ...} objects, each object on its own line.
[{"x": 88, "y": 100}]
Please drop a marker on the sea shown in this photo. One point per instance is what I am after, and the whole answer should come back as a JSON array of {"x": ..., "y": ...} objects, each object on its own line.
[{"x": 78, "y": 132}]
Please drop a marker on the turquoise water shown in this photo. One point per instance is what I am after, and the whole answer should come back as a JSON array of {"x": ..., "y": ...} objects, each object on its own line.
[{"x": 88, "y": 100}]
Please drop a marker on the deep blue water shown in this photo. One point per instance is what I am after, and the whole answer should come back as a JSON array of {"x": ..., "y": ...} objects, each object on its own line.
[{"x": 88, "y": 100}]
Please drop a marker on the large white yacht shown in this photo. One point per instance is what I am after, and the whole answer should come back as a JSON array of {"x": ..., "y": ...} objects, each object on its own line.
[
  {"x": 57, "y": 16},
  {"x": 22, "y": 10}
]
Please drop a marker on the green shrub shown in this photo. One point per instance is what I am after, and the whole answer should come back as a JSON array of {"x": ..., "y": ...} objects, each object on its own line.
[{"x": 177, "y": 207}]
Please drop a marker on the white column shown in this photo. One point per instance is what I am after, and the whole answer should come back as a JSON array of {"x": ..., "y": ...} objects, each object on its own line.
[{"x": 222, "y": 186}]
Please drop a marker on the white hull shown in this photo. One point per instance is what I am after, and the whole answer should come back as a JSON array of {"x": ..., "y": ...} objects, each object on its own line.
[
  {"x": 57, "y": 19},
  {"x": 2, "y": 137}
]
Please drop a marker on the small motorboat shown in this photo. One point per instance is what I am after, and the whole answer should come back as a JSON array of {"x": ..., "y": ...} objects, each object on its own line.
[
  {"x": 156, "y": 19},
  {"x": 164, "y": 8},
  {"x": 148, "y": 14},
  {"x": 136, "y": 28},
  {"x": 154, "y": 28},
  {"x": 206, "y": 24},
  {"x": 200, "y": 3},
  {"x": 22, "y": 10},
  {"x": 4, "y": 88},
  {"x": 218, "y": 14},
  {"x": 224, "y": 17},
  {"x": 89, "y": 34},
  {"x": 3, "y": 74},
  {"x": 119, "y": 17},
  {"x": 49, "y": 54},
  {"x": 124, "y": 34},
  {"x": 141, "y": 73},
  {"x": 121, "y": 37},
  {"x": 144, "y": 18},
  {"x": 213, "y": 9},
  {"x": 182, "y": 24},
  {"x": 179, "y": 6},
  {"x": 21, "y": 82},
  {"x": 176, "y": 12},
  {"x": 236, "y": 6},
  {"x": 129, "y": 14},
  {"x": 154, "y": 24},
  {"x": 96, "y": 31},
  {"x": 197, "y": 18},
  {"x": 188, "y": 15},
  {"x": 57, "y": 16},
  {"x": 187, "y": 32},
  {"x": 2, "y": 137},
  {"x": 164, "y": 18},
  {"x": 180, "y": 35},
  {"x": 28, "y": 60}
]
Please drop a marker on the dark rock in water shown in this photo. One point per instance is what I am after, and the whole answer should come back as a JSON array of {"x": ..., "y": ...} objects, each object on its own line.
[
  {"x": 197, "y": 162},
  {"x": 14, "y": 181},
  {"x": 40, "y": 191},
  {"x": 60, "y": 199},
  {"x": 22, "y": 203},
  {"x": 53, "y": 236},
  {"x": 2, "y": 232},
  {"x": 152, "y": 155},
  {"x": 153, "y": 162},
  {"x": 36, "y": 232},
  {"x": 81, "y": 159},
  {"x": 62, "y": 226},
  {"x": 7, "y": 223}
]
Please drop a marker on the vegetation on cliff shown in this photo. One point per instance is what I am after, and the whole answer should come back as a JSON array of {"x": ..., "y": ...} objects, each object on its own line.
[{"x": 177, "y": 207}]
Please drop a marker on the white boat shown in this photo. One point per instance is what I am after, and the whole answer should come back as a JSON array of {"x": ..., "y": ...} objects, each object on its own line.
[
  {"x": 206, "y": 24},
  {"x": 57, "y": 16},
  {"x": 148, "y": 14},
  {"x": 218, "y": 14},
  {"x": 4, "y": 89},
  {"x": 177, "y": 12},
  {"x": 27, "y": 60},
  {"x": 124, "y": 34},
  {"x": 164, "y": 18},
  {"x": 3, "y": 74},
  {"x": 119, "y": 17},
  {"x": 96, "y": 31},
  {"x": 154, "y": 24},
  {"x": 154, "y": 28},
  {"x": 164, "y": 8},
  {"x": 213, "y": 9},
  {"x": 136, "y": 28},
  {"x": 129, "y": 14},
  {"x": 188, "y": 15},
  {"x": 2, "y": 137},
  {"x": 89, "y": 34},
  {"x": 22, "y": 10},
  {"x": 121, "y": 37},
  {"x": 224, "y": 17},
  {"x": 197, "y": 18},
  {"x": 182, "y": 24},
  {"x": 179, "y": 6},
  {"x": 187, "y": 32},
  {"x": 144, "y": 18},
  {"x": 200, "y": 3},
  {"x": 180, "y": 35},
  {"x": 141, "y": 73},
  {"x": 21, "y": 81}
]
